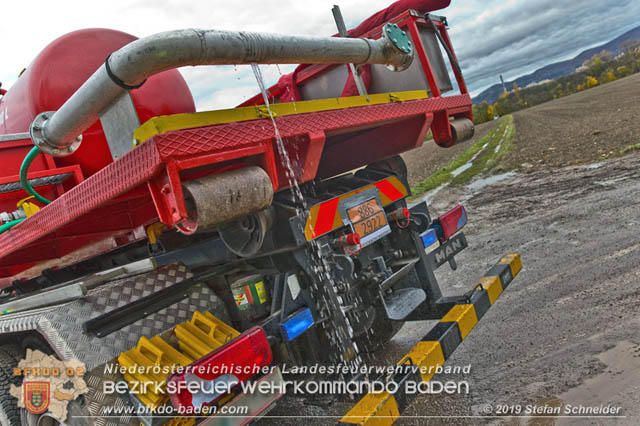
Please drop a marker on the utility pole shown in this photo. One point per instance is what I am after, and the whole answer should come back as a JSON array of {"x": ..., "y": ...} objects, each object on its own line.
[{"x": 504, "y": 88}]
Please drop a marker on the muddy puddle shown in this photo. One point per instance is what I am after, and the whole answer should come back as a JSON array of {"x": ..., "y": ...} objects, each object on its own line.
[{"x": 478, "y": 184}]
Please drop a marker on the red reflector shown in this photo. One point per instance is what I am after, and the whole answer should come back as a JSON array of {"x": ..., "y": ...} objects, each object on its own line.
[
  {"x": 452, "y": 221},
  {"x": 212, "y": 376}
]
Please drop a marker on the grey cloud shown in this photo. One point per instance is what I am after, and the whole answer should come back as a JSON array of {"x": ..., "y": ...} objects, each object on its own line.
[{"x": 526, "y": 35}]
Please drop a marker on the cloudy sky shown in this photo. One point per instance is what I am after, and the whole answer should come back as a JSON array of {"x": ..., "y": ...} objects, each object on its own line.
[{"x": 491, "y": 37}]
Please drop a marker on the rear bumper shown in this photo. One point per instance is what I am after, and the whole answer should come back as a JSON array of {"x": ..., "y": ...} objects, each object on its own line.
[{"x": 436, "y": 346}]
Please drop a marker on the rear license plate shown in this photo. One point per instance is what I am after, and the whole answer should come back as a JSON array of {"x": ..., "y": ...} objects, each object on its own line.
[{"x": 368, "y": 220}]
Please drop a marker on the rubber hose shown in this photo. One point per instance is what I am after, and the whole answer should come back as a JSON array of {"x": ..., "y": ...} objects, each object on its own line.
[
  {"x": 24, "y": 169},
  {"x": 6, "y": 226}
]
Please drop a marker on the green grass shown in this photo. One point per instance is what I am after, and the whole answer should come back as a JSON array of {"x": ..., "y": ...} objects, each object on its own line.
[
  {"x": 628, "y": 149},
  {"x": 485, "y": 161},
  {"x": 617, "y": 154}
]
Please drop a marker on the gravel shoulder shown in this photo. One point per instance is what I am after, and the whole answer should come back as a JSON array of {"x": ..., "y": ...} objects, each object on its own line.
[{"x": 565, "y": 331}]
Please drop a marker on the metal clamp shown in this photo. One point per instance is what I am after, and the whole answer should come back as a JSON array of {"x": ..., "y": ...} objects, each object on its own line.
[{"x": 117, "y": 80}]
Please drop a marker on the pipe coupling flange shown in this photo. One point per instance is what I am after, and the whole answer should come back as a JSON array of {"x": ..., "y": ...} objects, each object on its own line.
[
  {"x": 401, "y": 43},
  {"x": 36, "y": 130}
]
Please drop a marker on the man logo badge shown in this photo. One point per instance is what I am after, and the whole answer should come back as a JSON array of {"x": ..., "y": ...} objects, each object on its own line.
[
  {"x": 36, "y": 396},
  {"x": 452, "y": 247}
]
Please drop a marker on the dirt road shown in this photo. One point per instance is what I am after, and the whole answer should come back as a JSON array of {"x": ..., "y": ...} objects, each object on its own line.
[
  {"x": 566, "y": 331},
  {"x": 581, "y": 128}
]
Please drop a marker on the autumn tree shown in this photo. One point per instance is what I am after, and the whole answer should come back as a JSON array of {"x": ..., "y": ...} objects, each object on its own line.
[
  {"x": 491, "y": 113},
  {"x": 623, "y": 71},
  {"x": 631, "y": 47},
  {"x": 598, "y": 62},
  {"x": 597, "y": 67},
  {"x": 605, "y": 56},
  {"x": 482, "y": 112},
  {"x": 502, "y": 106},
  {"x": 558, "y": 92},
  {"x": 591, "y": 82}
]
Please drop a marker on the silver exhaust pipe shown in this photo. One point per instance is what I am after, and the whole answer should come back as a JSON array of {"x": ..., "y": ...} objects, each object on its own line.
[
  {"x": 462, "y": 129},
  {"x": 59, "y": 133},
  {"x": 225, "y": 197}
]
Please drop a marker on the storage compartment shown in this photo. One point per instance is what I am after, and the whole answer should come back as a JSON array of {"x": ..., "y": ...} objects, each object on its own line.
[{"x": 329, "y": 84}]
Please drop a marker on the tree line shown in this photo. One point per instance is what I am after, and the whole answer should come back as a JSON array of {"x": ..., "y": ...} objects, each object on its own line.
[{"x": 600, "y": 69}]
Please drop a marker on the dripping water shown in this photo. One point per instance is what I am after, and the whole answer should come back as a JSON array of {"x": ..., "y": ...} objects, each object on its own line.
[
  {"x": 284, "y": 155},
  {"x": 320, "y": 264}
]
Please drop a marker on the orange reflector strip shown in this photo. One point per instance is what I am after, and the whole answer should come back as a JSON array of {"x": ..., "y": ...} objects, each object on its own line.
[
  {"x": 327, "y": 212},
  {"x": 387, "y": 190},
  {"x": 325, "y": 217}
]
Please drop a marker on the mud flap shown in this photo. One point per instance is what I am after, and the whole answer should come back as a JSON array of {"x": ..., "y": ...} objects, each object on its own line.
[
  {"x": 435, "y": 347},
  {"x": 399, "y": 303}
]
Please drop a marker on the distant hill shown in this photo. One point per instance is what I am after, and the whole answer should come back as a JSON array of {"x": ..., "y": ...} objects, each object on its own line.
[{"x": 558, "y": 69}]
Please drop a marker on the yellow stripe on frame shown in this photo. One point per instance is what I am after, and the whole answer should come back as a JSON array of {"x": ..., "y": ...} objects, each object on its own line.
[{"x": 166, "y": 123}]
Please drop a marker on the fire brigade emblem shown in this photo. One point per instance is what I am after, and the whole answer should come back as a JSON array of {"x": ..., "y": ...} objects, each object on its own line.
[{"x": 36, "y": 396}]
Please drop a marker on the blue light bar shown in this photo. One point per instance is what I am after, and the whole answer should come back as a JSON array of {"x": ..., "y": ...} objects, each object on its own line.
[
  {"x": 297, "y": 324},
  {"x": 429, "y": 237}
]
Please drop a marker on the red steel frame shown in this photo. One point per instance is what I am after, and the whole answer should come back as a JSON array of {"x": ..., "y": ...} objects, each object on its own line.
[
  {"x": 13, "y": 152},
  {"x": 145, "y": 185}
]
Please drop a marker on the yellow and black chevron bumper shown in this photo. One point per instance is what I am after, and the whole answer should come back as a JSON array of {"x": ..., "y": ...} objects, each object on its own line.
[{"x": 381, "y": 409}]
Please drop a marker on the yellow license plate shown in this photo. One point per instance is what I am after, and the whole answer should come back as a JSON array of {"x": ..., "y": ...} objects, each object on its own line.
[{"x": 367, "y": 218}]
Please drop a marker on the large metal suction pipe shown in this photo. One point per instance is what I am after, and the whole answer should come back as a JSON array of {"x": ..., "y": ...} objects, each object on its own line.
[
  {"x": 58, "y": 133},
  {"x": 224, "y": 197}
]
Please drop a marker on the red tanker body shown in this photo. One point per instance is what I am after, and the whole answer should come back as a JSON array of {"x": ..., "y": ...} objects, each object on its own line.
[
  {"x": 59, "y": 70},
  {"x": 55, "y": 74}
]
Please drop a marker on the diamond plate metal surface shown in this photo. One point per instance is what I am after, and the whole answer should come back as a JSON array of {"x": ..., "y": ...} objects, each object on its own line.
[
  {"x": 221, "y": 137},
  {"x": 131, "y": 170},
  {"x": 95, "y": 399},
  {"x": 61, "y": 326}
]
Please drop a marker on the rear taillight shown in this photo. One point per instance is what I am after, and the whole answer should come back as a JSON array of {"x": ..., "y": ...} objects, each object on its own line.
[
  {"x": 209, "y": 378},
  {"x": 451, "y": 222}
]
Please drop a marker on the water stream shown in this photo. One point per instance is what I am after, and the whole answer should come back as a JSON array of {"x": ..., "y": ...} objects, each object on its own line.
[
  {"x": 284, "y": 155},
  {"x": 319, "y": 262}
]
